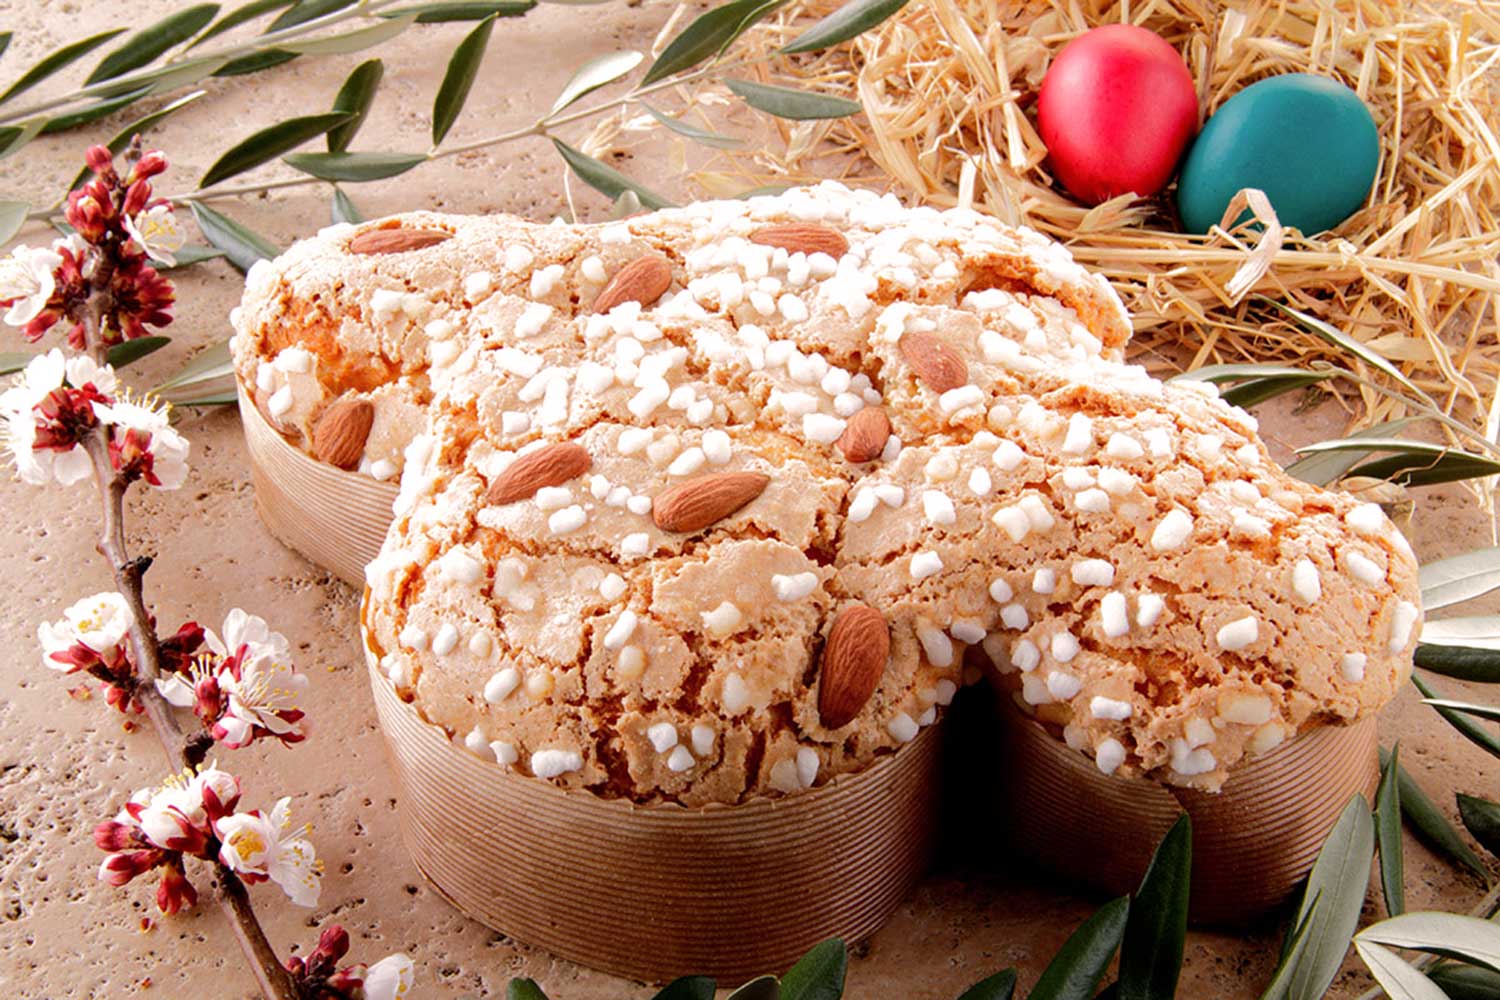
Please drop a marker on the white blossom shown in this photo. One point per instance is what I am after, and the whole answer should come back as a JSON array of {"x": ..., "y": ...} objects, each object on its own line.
[
  {"x": 100, "y": 622},
  {"x": 157, "y": 233},
  {"x": 256, "y": 845},
  {"x": 391, "y": 978},
  {"x": 82, "y": 370},
  {"x": 168, "y": 449},
  {"x": 26, "y": 276},
  {"x": 43, "y": 375}
]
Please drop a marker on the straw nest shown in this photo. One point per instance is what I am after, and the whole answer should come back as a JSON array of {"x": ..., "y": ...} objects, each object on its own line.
[{"x": 948, "y": 88}]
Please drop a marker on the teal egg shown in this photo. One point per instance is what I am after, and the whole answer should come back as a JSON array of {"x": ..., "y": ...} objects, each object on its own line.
[{"x": 1307, "y": 141}]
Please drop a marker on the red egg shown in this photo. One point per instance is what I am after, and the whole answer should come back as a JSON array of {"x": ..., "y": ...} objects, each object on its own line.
[{"x": 1116, "y": 110}]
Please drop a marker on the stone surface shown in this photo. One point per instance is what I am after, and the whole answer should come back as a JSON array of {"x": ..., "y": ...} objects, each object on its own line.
[{"x": 65, "y": 764}]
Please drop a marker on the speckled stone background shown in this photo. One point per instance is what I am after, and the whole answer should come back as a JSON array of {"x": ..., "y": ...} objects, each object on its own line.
[{"x": 66, "y": 764}]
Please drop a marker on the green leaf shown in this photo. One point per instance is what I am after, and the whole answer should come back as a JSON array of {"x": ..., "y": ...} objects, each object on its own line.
[
  {"x": 241, "y": 245},
  {"x": 150, "y": 42},
  {"x": 13, "y": 361},
  {"x": 1466, "y": 982},
  {"x": 1338, "y": 881},
  {"x": 708, "y": 36},
  {"x": 606, "y": 179},
  {"x": 59, "y": 59},
  {"x": 1347, "y": 343},
  {"x": 1258, "y": 390},
  {"x": 435, "y": 13},
  {"x": 1478, "y": 631},
  {"x": 344, "y": 210},
  {"x": 209, "y": 367},
  {"x": 1430, "y": 823},
  {"x": 763, "y": 988},
  {"x": 1322, "y": 469},
  {"x": 1470, "y": 730},
  {"x": 854, "y": 18},
  {"x": 351, "y": 41},
  {"x": 12, "y": 218},
  {"x": 189, "y": 255},
  {"x": 13, "y": 137},
  {"x": 240, "y": 15},
  {"x": 1488, "y": 712},
  {"x": 703, "y": 136},
  {"x": 625, "y": 206},
  {"x": 1413, "y": 470},
  {"x": 1452, "y": 935},
  {"x": 1000, "y": 986},
  {"x": 1399, "y": 978},
  {"x": 4, "y": 41},
  {"x": 92, "y": 112},
  {"x": 1292, "y": 952},
  {"x": 1467, "y": 663},
  {"x": 1151, "y": 956},
  {"x": 255, "y": 62},
  {"x": 121, "y": 139},
  {"x": 216, "y": 399},
  {"x": 128, "y": 351},
  {"x": 354, "y": 98},
  {"x": 1388, "y": 835},
  {"x": 595, "y": 73},
  {"x": 463, "y": 66},
  {"x": 1080, "y": 963},
  {"x": 1459, "y": 578},
  {"x": 355, "y": 167},
  {"x": 688, "y": 988},
  {"x": 784, "y": 102},
  {"x": 307, "y": 10},
  {"x": 1216, "y": 374},
  {"x": 269, "y": 143},
  {"x": 818, "y": 975},
  {"x": 524, "y": 989},
  {"x": 1482, "y": 819}
]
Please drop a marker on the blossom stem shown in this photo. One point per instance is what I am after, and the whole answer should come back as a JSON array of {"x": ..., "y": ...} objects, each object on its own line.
[{"x": 183, "y": 752}]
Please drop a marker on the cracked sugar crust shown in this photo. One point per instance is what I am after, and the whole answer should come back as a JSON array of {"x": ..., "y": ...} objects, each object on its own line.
[{"x": 1124, "y": 554}]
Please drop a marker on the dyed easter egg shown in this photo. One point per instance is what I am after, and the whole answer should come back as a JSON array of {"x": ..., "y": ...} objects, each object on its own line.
[
  {"x": 1116, "y": 109},
  {"x": 1307, "y": 141}
]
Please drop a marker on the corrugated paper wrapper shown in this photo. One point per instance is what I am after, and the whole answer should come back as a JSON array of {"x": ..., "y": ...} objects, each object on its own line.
[
  {"x": 655, "y": 892},
  {"x": 1253, "y": 842},
  {"x": 335, "y": 518}
]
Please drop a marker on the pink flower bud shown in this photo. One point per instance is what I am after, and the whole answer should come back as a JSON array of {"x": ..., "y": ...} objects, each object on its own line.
[
  {"x": 117, "y": 869},
  {"x": 149, "y": 165},
  {"x": 112, "y": 835},
  {"x": 100, "y": 160},
  {"x": 136, "y": 197},
  {"x": 334, "y": 942},
  {"x": 175, "y": 892}
]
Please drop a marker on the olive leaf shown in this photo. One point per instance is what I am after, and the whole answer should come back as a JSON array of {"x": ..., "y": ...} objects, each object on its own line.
[
  {"x": 1482, "y": 819},
  {"x": 1338, "y": 882},
  {"x": 1449, "y": 466},
  {"x": 151, "y": 41},
  {"x": 708, "y": 36},
  {"x": 255, "y": 62},
  {"x": 269, "y": 143},
  {"x": 854, "y": 18},
  {"x": 1000, "y": 986},
  {"x": 1470, "y": 730},
  {"x": 307, "y": 10},
  {"x": 1399, "y": 978},
  {"x": 1480, "y": 631},
  {"x": 351, "y": 41},
  {"x": 189, "y": 255},
  {"x": 1257, "y": 390},
  {"x": 784, "y": 102},
  {"x": 1079, "y": 964},
  {"x": 209, "y": 372},
  {"x": 625, "y": 206},
  {"x": 1151, "y": 955},
  {"x": 762, "y": 988},
  {"x": 604, "y": 178},
  {"x": 688, "y": 988},
  {"x": 355, "y": 98},
  {"x": 1487, "y": 712},
  {"x": 1459, "y": 578},
  {"x": 13, "y": 137},
  {"x": 12, "y": 218},
  {"x": 59, "y": 59},
  {"x": 463, "y": 66},
  {"x": 524, "y": 989},
  {"x": 344, "y": 210},
  {"x": 1466, "y": 982},
  {"x": 92, "y": 112},
  {"x": 354, "y": 167},
  {"x": 122, "y": 138},
  {"x": 1342, "y": 340},
  {"x": 4, "y": 41},
  {"x": 119, "y": 355},
  {"x": 818, "y": 975},
  {"x": 703, "y": 136},
  {"x": 1466, "y": 663},
  {"x": 1451, "y": 935},
  {"x": 1322, "y": 469},
  {"x": 242, "y": 246},
  {"x": 1292, "y": 950},
  {"x": 1430, "y": 823},
  {"x": 1388, "y": 835},
  {"x": 595, "y": 73},
  {"x": 240, "y": 15},
  {"x": 476, "y": 10}
]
